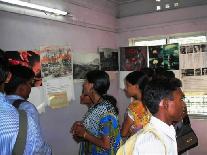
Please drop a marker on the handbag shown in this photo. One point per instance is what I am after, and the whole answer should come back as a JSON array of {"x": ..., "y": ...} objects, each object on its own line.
[{"x": 186, "y": 137}]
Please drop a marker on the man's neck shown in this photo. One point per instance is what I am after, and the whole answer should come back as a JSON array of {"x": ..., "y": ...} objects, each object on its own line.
[
  {"x": 163, "y": 118},
  {"x": 2, "y": 88}
]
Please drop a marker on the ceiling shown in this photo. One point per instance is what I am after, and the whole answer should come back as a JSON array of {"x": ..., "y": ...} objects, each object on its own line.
[
  {"x": 138, "y": 7},
  {"x": 125, "y": 8}
]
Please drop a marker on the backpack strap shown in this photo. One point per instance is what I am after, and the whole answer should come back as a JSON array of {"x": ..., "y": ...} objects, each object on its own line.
[
  {"x": 17, "y": 103},
  {"x": 20, "y": 143},
  {"x": 186, "y": 120}
]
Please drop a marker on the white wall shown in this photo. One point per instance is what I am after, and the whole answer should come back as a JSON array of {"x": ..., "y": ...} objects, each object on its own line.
[{"x": 184, "y": 20}]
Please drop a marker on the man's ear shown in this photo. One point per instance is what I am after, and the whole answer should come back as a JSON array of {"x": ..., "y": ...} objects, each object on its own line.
[{"x": 164, "y": 103}]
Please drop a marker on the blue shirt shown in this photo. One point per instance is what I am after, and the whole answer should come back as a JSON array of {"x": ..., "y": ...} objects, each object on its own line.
[
  {"x": 9, "y": 126},
  {"x": 26, "y": 106}
]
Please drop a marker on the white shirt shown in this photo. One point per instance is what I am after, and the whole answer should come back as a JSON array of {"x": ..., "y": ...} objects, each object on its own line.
[{"x": 149, "y": 144}]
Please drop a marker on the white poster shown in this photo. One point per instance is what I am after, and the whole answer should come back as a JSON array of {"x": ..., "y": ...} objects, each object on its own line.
[
  {"x": 194, "y": 67},
  {"x": 56, "y": 63}
]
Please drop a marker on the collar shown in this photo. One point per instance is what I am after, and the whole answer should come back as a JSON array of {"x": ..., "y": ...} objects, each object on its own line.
[
  {"x": 163, "y": 127},
  {"x": 1, "y": 93},
  {"x": 14, "y": 97},
  {"x": 4, "y": 103}
]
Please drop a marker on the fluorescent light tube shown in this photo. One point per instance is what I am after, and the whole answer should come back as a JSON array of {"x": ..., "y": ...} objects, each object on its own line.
[{"x": 34, "y": 6}]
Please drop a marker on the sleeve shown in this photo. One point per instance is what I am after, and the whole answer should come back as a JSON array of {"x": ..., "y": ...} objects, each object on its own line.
[
  {"x": 148, "y": 145},
  {"x": 107, "y": 124},
  {"x": 31, "y": 110},
  {"x": 130, "y": 114},
  {"x": 36, "y": 144}
]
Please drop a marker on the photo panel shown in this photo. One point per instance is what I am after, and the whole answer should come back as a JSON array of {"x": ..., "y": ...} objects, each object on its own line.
[{"x": 133, "y": 58}]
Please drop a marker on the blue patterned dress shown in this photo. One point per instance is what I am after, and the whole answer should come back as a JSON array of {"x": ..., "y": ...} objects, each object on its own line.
[{"x": 101, "y": 120}]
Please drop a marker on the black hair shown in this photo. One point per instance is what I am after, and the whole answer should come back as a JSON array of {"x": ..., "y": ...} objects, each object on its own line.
[
  {"x": 113, "y": 101},
  {"x": 168, "y": 74},
  {"x": 161, "y": 73},
  {"x": 157, "y": 90},
  {"x": 101, "y": 83},
  {"x": 158, "y": 72},
  {"x": 4, "y": 67},
  {"x": 137, "y": 78},
  {"x": 100, "y": 80},
  {"x": 20, "y": 75},
  {"x": 148, "y": 71},
  {"x": 33, "y": 58}
]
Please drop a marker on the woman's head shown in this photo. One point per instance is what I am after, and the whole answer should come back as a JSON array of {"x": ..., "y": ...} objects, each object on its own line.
[
  {"x": 96, "y": 81},
  {"x": 135, "y": 83}
]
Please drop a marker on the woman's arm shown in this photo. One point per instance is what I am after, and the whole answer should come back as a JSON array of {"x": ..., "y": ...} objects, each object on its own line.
[
  {"x": 126, "y": 126},
  {"x": 103, "y": 141}
]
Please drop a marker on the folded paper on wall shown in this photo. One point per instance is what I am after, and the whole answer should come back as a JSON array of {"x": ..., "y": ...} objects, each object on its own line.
[{"x": 58, "y": 100}]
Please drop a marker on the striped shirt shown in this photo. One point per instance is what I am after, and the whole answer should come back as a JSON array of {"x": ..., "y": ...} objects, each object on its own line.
[
  {"x": 9, "y": 126},
  {"x": 25, "y": 105}
]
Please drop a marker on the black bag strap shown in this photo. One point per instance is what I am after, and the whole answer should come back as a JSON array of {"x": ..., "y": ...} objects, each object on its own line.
[
  {"x": 20, "y": 143},
  {"x": 17, "y": 103},
  {"x": 186, "y": 120}
]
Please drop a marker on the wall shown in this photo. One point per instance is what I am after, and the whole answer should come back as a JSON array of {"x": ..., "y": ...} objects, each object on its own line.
[
  {"x": 91, "y": 26},
  {"x": 184, "y": 20}
]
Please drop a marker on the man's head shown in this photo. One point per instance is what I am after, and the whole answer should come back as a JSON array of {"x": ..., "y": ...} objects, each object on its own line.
[
  {"x": 21, "y": 81},
  {"x": 164, "y": 99}
]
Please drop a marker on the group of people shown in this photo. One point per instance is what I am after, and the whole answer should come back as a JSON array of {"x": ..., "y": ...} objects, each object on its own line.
[
  {"x": 20, "y": 131},
  {"x": 157, "y": 104}
]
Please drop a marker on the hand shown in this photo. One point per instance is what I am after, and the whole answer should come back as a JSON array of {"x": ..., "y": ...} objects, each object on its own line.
[
  {"x": 73, "y": 128},
  {"x": 77, "y": 139},
  {"x": 79, "y": 130}
]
